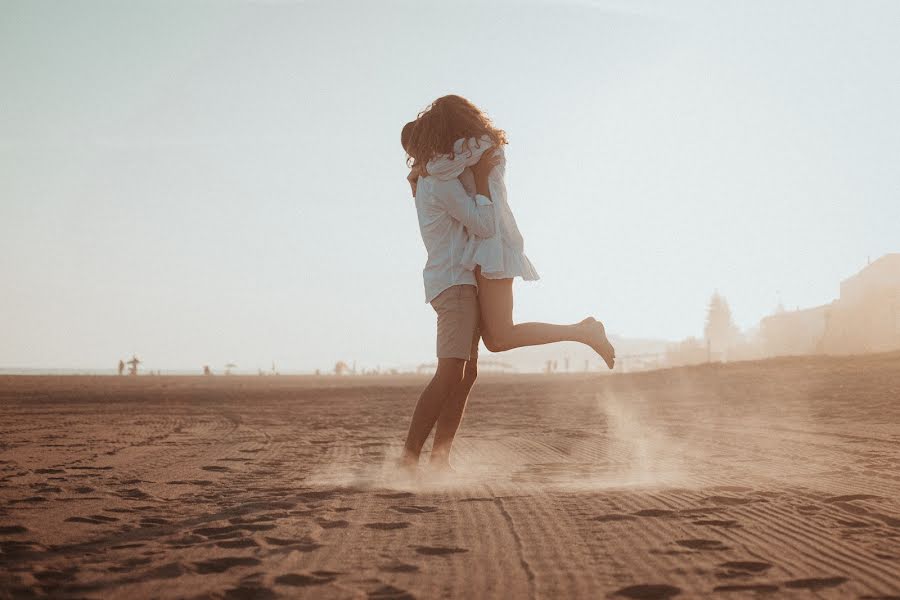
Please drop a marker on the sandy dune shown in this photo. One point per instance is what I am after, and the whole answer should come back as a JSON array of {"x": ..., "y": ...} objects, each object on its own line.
[{"x": 778, "y": 477}]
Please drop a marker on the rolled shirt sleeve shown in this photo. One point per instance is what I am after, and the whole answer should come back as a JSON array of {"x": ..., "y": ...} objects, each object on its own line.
[
  {"x": 466, "y": 153},
  {"x": 477, "y": 214}
]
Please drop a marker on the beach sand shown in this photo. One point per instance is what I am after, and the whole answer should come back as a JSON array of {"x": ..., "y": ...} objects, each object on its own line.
[{"x": 778, "y": 477}]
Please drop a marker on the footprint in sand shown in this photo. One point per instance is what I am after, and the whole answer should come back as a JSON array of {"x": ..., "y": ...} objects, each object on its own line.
[
  {"x": 299, "y": 545},
  {"x": 250, "y": 592},
  {"x": 240, "y": 543},
  {"x": 218, "y": 532},
  {"x": 613, "y": 517},
  {"x": 15, "y": 548},
  {"x": 185, "y": 541},
  {"x": 749, "y": 566},
  {"x": 326, "y": 524},
  {"x": 93, "y": 519},
  {"x": 261, "y": 518},
  {"x": 388, "y": 526},
  {"x": 414, "y": 510},
  {"x": 318, "y": 495},
  {"x": 55, "y": 576},
  {"x": 656, "y": 512},
  {"x": 815, "y": 583},
  {"x": 128, "y": 565},
  {"x": 132, "y": 494},
  {"x": 304, "y": 580},
  {"x": 197, "y": 482},
  {"x": 439, "y": 550},
  {"x": 220, "y": 565},
  {"x": 280, "y": 541},
  {"x": 134, "y": 481},
  {"x": 12, "y": 529},
  {"x": 851, "y": 498},
  {"x": 741, "y": 568},
  {"x": 652, "y": 591},
  {"x": 258, "y": 526},
  {"x": 389, "y": 592},
  {"x": 399, "y": 568},
  {"x": 853, "y": 524},
  {"x": 727, "y": 523},
  {"x": 230, "y": 531},
  {"x": 700, "y": 544},
  {"x": 30, "y": 499}
]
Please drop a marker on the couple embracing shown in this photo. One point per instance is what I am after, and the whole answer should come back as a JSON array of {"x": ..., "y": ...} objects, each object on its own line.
[{"x": 475, "y": 251}]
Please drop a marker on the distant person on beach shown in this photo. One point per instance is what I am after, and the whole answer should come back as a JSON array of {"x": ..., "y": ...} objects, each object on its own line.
[
  {"x": 133, "y": 365},
  {"x": 121, "y": 366},
  {"x": 475, "y": 251}
]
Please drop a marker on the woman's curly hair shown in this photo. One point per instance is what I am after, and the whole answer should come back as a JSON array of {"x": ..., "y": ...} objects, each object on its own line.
[{"x": 437, "y": 128}]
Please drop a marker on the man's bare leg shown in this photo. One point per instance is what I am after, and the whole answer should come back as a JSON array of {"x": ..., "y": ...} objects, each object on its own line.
[
  {"x": 451, "y": 416},
  {"x": 448, "y": 376}
]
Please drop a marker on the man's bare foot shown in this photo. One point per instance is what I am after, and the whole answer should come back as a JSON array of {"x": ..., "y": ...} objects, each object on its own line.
[
  {"x": 408, "y": 464},
  {"x": 597, "y": 340}
]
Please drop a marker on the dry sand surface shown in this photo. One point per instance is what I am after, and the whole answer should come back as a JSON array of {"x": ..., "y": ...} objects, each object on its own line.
[{"x": 724, "y": 481}]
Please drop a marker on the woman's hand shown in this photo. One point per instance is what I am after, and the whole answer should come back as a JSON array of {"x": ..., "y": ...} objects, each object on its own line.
[
  {"x": 486, "y": 164},
  {"x": 482, "y": 169}
]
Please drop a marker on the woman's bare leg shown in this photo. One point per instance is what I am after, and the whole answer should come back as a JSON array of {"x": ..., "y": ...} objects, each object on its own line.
[{"x": 495, "y": 297}]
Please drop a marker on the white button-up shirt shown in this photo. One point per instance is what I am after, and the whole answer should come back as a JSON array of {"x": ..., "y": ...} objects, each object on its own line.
[{"x": 445, "y": 213}]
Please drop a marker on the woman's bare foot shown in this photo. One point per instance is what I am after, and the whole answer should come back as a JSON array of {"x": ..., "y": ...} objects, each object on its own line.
[
  {"x": 596, "y": 339},
  {"x": 408, "y": 464}
]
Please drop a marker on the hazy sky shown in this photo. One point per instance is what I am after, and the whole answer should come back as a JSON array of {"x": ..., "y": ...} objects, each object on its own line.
[{"x": 203, "y": 182}]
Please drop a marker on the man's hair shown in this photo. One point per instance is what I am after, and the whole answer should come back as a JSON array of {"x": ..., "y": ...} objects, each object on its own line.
[{"x": 406, "y": 135}]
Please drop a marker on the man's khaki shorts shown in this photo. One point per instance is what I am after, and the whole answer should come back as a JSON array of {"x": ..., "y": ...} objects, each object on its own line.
[{"x": 457, "y": 322}]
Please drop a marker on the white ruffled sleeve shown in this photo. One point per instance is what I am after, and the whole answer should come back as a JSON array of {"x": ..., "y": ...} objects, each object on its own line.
[{"x": 466, "y": 153}]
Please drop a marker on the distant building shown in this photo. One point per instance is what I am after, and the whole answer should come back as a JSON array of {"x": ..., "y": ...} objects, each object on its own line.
[
  {"x": 866, "y": 318},
  {"x": 690, "y": 351},
  {"x": 793, "y": 332}
]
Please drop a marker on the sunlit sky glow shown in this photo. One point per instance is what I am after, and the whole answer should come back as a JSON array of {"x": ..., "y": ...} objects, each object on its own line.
[{"x": 204, "y": 182}]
